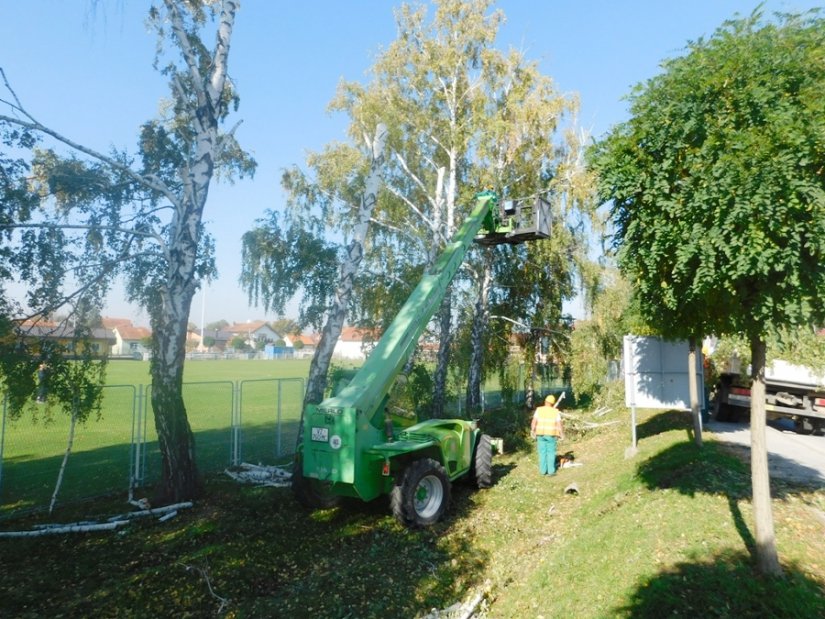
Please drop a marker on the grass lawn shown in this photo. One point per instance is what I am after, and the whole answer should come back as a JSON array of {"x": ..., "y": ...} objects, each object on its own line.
[
  {"x": 666, "y": 533},
  {"x": 102, "y": 452}
]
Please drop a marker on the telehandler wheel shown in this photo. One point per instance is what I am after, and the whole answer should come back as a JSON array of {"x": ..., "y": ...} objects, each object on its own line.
[
  {"x": 482, "y": 469},
  {"x": 311, "y": 492},
  {"x": 422, "y": 495}
]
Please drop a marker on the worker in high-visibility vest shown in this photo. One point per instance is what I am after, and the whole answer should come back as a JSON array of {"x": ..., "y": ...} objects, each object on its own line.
[{"x": 547, "y": 428}]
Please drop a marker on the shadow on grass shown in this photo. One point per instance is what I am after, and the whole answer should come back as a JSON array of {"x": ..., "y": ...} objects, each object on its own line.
[
  {"x": 711, "y": 469},
  {"x": 255, "y": 548},
  {"x": 28, "y": 482},
  {"x": 723, "y": 587}
]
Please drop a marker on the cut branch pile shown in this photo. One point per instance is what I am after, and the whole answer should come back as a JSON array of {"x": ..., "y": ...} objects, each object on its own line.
[
  {"x": 86, "y": 526},
  {"x": 576, "y": 423},
  {"x": 260, "y": 475},
  {"x": 463, "y": 610}
]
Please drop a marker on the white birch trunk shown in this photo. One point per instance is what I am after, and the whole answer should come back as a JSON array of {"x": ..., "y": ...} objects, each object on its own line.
[
  {"x": 316, "y": 383},
  {"x": 179, "y": 474},
  {"x": 481, "y": 318},
  {"x": 69, "y": 444},
  {"x": 445, "y": 313}
]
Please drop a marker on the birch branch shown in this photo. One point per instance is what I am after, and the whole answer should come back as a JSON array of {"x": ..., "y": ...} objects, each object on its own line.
[
  {"x": 69, "y": 443},
  {"x": 129, "y": 231},
  {"x": 219, "y": 60},
  {"x": 400, "y": 231},
  {"x": 150, "y": 182},
  {"x": 179, "y": 32},
  {"x": 414, "y": 177},
  {"x": 73, "y": 528}
]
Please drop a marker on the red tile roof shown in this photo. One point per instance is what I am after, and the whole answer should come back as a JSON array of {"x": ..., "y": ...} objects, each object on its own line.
[
  {"x": 354, "y": 334},
  {"x": 111, "y": 323},
  {"x": 307, "y": 340},
  {"x": 133, "y": 333}
]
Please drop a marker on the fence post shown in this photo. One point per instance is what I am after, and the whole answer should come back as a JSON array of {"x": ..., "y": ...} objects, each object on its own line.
[
  {"x": 137, "y": 440},
  {"x": 235, "y": 421},
  {"x": 278, "y": 423},
  {"x": 2, "y": 442}
]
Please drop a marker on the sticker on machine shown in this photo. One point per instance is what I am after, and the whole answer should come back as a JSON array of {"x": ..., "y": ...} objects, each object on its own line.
[{"x": 320, "y": 434}]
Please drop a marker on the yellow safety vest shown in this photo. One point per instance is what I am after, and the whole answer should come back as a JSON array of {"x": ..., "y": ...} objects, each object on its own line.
[{"x": 548, "y": 421}]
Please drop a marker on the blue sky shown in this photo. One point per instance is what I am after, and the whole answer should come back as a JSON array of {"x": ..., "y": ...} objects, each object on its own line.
[{"x": 88, "y": 74}]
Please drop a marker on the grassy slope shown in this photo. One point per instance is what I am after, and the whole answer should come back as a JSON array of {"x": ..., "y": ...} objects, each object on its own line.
[{"x": 664, "y": 533}]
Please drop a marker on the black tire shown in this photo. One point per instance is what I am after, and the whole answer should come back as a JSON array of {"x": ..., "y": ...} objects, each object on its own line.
[
  {"x": 803, "y": 425},
  {"x": 482, "y": 468},
  {"x": 422, "y": 494},
  {"x": 726, "y": 412},
  {"x": 311, "y": 493}
]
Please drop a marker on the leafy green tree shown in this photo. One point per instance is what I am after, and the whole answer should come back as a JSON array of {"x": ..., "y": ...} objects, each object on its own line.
[
  {"x": 137, "y": 214},
  {"x": 218, "y": 325},
  {"x": 462, "y": 116},
  {"x": 719, "y": 199},
  {"x": 285, "y": 326},
  {"x": 598, "y": 340},
  {"x": 239, "y": 343},
  {"x": 427, "y": 86}
]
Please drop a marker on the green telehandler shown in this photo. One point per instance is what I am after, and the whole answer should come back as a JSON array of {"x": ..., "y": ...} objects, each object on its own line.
[{"x": 352, "y": 447}]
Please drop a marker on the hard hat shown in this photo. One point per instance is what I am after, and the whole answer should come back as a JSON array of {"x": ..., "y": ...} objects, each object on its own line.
[{"x": 550, "y": 399}]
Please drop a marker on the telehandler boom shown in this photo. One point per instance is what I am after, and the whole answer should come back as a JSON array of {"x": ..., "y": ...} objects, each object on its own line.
[{"x": 350, "y": 446}]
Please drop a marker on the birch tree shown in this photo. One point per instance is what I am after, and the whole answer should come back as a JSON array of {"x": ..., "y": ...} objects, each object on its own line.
[
  {"x": 717, "y": 187},
  {"x": 428, "y": 83},
  {"x": 142, "y": 215},
  {"x": 530, "y": 144},
  {"x": 346, "y": 194}
]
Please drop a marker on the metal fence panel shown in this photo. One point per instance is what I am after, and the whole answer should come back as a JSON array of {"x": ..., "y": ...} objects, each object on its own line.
[
  {"x": 34, "y": 446},
  {"x": 251, "y": 420},
  {"x": 270, "y": 410}
]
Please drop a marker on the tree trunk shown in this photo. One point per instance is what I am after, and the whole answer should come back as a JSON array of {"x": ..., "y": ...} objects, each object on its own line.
[
  {"x": 69, "y": 444},
  {"x": 179, "y": 476},
  {"x": 767, "y": 559},
  {"x": 530, "y": 379},
  {"x": 445, "y": 336},
  {"x": 481, "y": 318},
  {"x": 319, "y": 367},
  {"x": 694, "y": 393}
]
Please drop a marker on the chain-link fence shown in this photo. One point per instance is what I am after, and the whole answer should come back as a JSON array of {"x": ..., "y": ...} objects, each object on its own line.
[
  {"x": 232, "y": 421},
  {"x": 237, "y": 421}
]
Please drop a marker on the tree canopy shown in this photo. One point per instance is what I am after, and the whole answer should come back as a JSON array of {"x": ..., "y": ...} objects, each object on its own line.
[
  {"x": 719, "y": 199},
  {"x": 717, "y": 182}
]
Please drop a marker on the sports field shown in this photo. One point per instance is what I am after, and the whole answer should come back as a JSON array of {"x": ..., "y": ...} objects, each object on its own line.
[{"x": 239, "y": 410}]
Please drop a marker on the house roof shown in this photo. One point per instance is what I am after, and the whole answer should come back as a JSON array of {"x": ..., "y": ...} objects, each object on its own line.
[
  {"x": 307, "y": 340},
  {"x": 355, "y": 334},
  {"x": 128, "y": 332},
  {"x": 246, "y": 327},
  {"x": 45, "y": 330},
  {"x": 111, "y": 323}
]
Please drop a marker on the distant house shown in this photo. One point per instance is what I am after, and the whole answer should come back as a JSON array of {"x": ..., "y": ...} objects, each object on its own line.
[
  {"x": 99, "y": 343},
  {"x": 308, "y": 345},
  {"x": 354, "y": 344},
  {"x": 256, "y": 331},
  {"x": 129, "y": 341},
  {"x": 193, "y": 340},
  {"x": 110, "y": 323}
]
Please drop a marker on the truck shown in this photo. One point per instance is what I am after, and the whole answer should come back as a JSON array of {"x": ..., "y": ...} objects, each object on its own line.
[
  {"x": 352, "y": 446},
  {"x": 792, "y": 392}
]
